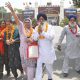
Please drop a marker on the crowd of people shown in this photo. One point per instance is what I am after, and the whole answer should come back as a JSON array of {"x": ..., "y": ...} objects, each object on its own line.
[{"x": 16, "y": 36}]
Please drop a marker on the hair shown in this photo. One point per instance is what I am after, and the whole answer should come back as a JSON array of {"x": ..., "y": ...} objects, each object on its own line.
[
  {"x": 72, "y": 16},
  {"x": 43, "y": 15},
  {"x": 3, "y": 21},
  {"x": 28, "y": 19}
]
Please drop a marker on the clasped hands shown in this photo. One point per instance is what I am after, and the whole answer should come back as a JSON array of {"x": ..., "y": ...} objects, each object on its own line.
[{"x": 10, "y": 41}]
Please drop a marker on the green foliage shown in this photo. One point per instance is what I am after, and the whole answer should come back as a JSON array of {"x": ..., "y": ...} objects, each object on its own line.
[
  {"x": 2, "y": 9},
  {"x": 34, "y": 22},
  {"x": 64, "y": 22},
  {"x": 76, "y": 3},
  {"x": 18, "y": 10}
]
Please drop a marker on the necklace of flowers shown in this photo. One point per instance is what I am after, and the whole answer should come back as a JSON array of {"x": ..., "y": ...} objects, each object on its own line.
[
  {"x": 73, "y": 32},
  {"x": 45, "y": 30},
  {"x": 28, "y": 32},
  {"x": 1, "y": 32},
  {"x": 11, "y": 32}
]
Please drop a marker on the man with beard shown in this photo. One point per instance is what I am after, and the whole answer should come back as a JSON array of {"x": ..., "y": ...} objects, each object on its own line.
[
  {"x": 72, "y": 50},
  {"x": 44, "y": 34}
]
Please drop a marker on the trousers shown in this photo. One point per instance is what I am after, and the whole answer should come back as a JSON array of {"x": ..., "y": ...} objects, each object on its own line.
[
  {"x": 49, "y": 69},
  {"x": 65, "y": 67}
]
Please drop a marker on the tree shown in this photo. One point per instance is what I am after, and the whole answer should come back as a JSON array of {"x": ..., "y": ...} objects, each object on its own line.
[
  {"x": 76, "y": 3},
  {"x": 34, "y": 23},
  {"x": 2, "y": 9},
  {"x": 18, "y": 10},
  {"x": 64, "y": 22},
  {"x": 2, "y": 12}
]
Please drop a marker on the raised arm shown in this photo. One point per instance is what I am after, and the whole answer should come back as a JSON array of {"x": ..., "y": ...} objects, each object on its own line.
[{"x": 9, "y": 6}]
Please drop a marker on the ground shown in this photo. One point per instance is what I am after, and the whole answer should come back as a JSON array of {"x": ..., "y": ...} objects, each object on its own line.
[{"x": 57, "y": 66}]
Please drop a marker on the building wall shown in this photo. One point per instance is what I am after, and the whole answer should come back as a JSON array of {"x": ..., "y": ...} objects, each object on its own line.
[
  {"x": 8, "y": 16},
  {"x": 52, "y": 13},
  {"x": 78, "y": 15}
]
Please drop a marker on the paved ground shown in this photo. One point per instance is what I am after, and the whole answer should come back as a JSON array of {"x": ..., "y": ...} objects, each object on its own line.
[{"x": 57, "y": 65}]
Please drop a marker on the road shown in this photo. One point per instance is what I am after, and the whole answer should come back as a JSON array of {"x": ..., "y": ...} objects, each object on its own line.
[{"x": 57, "y": 66}]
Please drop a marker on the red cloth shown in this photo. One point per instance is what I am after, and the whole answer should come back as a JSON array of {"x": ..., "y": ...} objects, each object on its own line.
[{"x": 1, "y": 43}]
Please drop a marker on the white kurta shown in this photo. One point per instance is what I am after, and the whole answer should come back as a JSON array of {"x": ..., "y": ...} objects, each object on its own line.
[
  {"x": 46, "y": 49},
  {"x": 72, "y": 43}
]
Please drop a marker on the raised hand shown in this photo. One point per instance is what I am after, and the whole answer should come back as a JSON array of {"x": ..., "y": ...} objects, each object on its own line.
[
  {"x": 39, "y": 27},
  {"x": 8, "y": 5}
]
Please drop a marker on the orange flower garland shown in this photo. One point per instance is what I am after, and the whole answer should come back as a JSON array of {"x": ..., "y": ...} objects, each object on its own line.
[
  {"x": 28, "y": 33},
  {"x": 2, "y": 31},
  {"x": 42, "y": 37},
  {"x": 11, "y": 32},
  {"x": 72, "y": 30}
]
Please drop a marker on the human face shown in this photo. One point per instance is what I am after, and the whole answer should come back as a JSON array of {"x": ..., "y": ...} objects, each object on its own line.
[
  {"x": 2, "y": 24},
  {"x": 41, "y": 20},
  {"x": 72, "y": 20},
  {"x": 8, "y": 24},
  {"x": 27, "y": 24}
]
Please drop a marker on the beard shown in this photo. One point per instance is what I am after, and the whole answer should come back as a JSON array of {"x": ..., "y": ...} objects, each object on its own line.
[{"x": 72, "y": 25}]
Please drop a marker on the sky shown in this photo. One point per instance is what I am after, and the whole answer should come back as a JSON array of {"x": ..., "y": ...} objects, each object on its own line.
[{"x": 19, "y": 3}]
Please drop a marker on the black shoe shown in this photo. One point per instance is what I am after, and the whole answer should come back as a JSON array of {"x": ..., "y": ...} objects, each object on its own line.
[
  {"x": 8, "y": 74},
  {"x": 49, "y": 79},
  {"x": 16, "y": 78},
  {"x": 78, "y": 72},
  {"x": 21, "y": 71},
  {"x": 65, "y": 74}
]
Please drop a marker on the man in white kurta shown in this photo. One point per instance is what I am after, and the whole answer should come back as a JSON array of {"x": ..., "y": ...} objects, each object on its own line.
[
  {"x": 46, "y": 49},
  {"x": 72, "y": 50}
]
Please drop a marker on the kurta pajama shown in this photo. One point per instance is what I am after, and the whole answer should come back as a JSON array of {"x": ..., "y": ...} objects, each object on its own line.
[
  {"x": 46, "y": 51},
  {"x": 72, "y": 50}
]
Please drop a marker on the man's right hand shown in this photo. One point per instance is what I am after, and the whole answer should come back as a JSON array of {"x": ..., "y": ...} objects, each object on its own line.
[
  {"x": 8, "y": 5},
  {"x": 59, "y": 47}
]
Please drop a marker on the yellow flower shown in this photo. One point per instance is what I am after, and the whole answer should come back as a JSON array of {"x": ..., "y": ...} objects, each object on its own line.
[{"x": 11, "y": 31}]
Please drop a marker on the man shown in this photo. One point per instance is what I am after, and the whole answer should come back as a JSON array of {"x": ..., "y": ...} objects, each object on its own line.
[
  {"x": 72, "y": 50},
  {"x": 44, "y": 34}
]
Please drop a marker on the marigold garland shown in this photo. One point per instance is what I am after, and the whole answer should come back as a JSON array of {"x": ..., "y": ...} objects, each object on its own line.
[
  {"x": 2, "y": 31},
  {"x": 28, "y": 33},
  {"x": 45, "y": 30},
  {"x": 11, "y": 31},
  {"x": 72, "y": 30}
]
